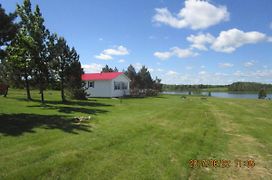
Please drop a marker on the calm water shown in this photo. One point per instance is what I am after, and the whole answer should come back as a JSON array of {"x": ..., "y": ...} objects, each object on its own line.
[{"x": 226, "y": 94}]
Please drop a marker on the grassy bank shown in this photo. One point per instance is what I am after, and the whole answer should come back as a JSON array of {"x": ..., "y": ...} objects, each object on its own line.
[{"x": 150, "y": 138}]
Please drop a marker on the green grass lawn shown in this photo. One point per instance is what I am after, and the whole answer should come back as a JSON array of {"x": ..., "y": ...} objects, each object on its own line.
[{"x": 145, "y": 138}]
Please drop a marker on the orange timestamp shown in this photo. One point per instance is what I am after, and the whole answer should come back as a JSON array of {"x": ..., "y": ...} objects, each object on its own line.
[{"x": 223, "y": 163}]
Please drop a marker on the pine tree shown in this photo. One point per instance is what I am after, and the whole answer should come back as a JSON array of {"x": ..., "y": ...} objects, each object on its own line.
[
  {"x": 8, "y": 31},
  {"x": 107, "y": 69},
  {"x": 132, "y": 75}
]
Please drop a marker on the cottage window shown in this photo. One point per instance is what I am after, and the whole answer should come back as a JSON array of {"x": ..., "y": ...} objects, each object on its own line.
[
  {"x": 117, "y": 85},
  {"x": 120, "y": 86},
  {"x": 91, "y": 84},
  {"x": 124, "y": 86}
]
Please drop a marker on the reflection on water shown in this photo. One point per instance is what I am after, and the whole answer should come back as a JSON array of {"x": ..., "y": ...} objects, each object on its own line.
[{"x": 226, "y": 94}]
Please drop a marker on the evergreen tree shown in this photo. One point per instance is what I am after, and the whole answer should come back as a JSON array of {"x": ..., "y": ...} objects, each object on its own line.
[
  {"x": 8, "y": 31},
  {"x": 132, "y": 75},
  {"x": 74, "y": 72},
  {"x": 40, "y": 53},
  {"x": 107, "y": 69},
  {"x": 145, "y": 80},
  {"x": 61, "y": 63},
  {"x": 20, "y": 61},
  {"x": 262, "y": 94},
  {"x": 32, "y": 24},
  {"x": 115, "y": 69}
]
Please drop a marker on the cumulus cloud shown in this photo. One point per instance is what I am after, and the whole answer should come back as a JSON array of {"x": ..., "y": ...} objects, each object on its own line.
[
  {"x": 200, "y": 41},
  {"x": 118, "y": 51},
  {"x": 196, "y": 14},
  {"x": 249, "y": 63},
  {"x": 225, "y": 65},
  {"x": 121, "y": 61},
  {"x": 108, "y": 54},
  {"x": 229, "y": 41},
  {"x": 175, "y": 51},
  {"x": 183, "y": 53},
  {"x": 202, "y": 73},
  {"x": 103, "y": 56},
  {"x": 266, "y": 73},
  {"x": 171, "y": 73},
  {"x": 92, "y": 68},
  {"x": 163, "y": 55}
]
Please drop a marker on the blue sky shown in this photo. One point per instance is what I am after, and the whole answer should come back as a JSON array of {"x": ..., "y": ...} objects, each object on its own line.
[{"x": 181, "y": 42}]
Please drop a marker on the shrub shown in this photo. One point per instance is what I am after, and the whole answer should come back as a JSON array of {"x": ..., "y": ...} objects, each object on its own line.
[{"x": 262, "y": 94}]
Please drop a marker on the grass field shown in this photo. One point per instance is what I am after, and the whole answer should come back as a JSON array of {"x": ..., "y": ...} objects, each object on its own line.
[{"x": 148, "y": 138}]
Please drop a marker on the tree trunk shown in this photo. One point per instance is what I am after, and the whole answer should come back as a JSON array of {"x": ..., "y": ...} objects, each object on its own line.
[
  {"x": 6, "y": 92},
  {"x": 42, "y": 95},
  {"x": 27, "y": 88},
  {"x": 62, "y": 90}
]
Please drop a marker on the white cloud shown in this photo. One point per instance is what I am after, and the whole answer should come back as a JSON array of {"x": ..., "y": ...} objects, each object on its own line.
[
  {"x": 160, "y": 70},
  {"x": 266, "y": 73},
  {"x": 163, "y": 55},
  {"x": 229, "y": 41},
  {"x": 202, "y": 73},
  {"x": 189, "y": 67},
  {"x": 121, "y": 61},
  {"x": 202, "y": 67},
  {"x": 175, "y": 51},
  {"x": 118, "y": 51},
  {"x": 183, "y": 53},
  {"x": 225, "y": 65},
  {"x": 103, "y": 56},
  {"x": 171, "y": 73},
  {"x": 108, "y": 53},
  {"x": 196, "y": 15},
  {"x": 249, "y": 63},
  {"x": 200, "y": 41},
  {"x": 92, "y": 68}
]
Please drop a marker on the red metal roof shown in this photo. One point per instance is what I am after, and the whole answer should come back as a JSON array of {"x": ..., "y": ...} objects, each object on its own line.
[{"x": 100, "y": 76}]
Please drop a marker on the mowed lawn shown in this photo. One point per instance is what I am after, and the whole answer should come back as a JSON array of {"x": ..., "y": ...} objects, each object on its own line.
[{"x": 141, "y": 138}]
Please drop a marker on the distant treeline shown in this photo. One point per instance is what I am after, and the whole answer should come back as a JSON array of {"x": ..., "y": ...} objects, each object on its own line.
[
  {"x": 249, "y": 86},
  {"x": 197, "y": 87},
  {"x": 236, "y": 86}
]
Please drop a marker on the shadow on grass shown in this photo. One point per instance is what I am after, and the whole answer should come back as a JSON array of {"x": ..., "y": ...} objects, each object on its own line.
[
  {"x": 92, "y": 103},
  {"x": 17, "y": 124},
  {"x": 68, "y": 109}
]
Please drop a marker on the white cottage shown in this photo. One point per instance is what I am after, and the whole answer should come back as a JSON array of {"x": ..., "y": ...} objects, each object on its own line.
[{"x": 110, "y": 84}]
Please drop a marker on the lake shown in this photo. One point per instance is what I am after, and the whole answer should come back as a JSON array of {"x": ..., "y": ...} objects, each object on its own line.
[{"x": 241, "y": 95}]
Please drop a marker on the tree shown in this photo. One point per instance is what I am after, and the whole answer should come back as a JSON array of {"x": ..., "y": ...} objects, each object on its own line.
[
  {"x": 61, "y": 62},
  {"x": 132, "y": 75},
  {"x": 157, "y": 85},
  {"x": 115, "y": 69},
  {"x": 74, "y": 72},
  {"x": 40, "y": 53},
  {"x": 107, "y": 69},
  {"x": 8, "y": 30},
  {"x": 262, "y": 94},
  {"x": 20, "y": 62},
  {"x": 32, "y": 23},
  {"x": 145, "y": 80}
]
